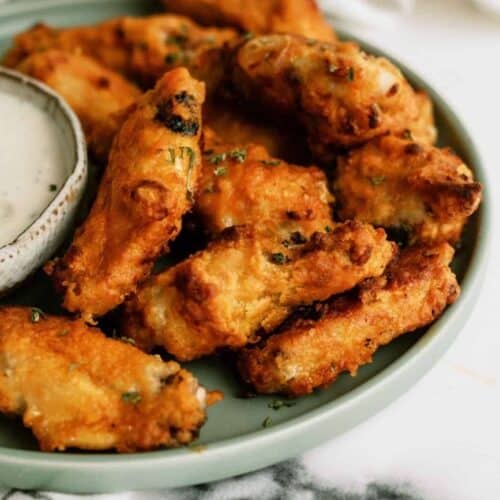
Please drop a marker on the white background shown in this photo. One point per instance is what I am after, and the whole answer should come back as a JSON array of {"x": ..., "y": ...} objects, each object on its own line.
[{"x": 443, "y": 436}]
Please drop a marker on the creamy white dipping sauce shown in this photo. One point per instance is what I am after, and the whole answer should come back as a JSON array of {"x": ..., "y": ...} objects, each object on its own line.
[{"x": 33, "y": 164}]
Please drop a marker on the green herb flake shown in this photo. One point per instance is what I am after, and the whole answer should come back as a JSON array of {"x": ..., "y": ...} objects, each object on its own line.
[
  {"x": 408, "y": 135},
  {"x": 377, "y": 180},
  {"x": 197, "y": 448},
  {"x": 132, "y": 397},
  {"x": 217, "y": 158},
  {"x": 209, "y": 189},
  {"x": 220, "y": 171},
  {"x": 172, "y": 155},
  {"x": 36, "y": 314},
  {"x": 267, "y": 422},
  {"x": 63, "y": 333},
  {"x": 271, "y": 163},
  {"x": 279, "y": 258},
  {"x": 208, "y": 152},
  {"x": 328, "y": 229},
  {"x": 53, "y": 187},
  {"x": 248, "y": 35},
  {"x": 176, "y": 39},
  {"x": 239, "y": 155},
  {"x": 172, "y": 58},
  {"x": 277, "y": 404},
  {"x": 351, "y": 74}
]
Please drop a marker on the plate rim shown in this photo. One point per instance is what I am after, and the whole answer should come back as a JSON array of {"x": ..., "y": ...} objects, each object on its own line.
[{"x": 366, "y": 400}]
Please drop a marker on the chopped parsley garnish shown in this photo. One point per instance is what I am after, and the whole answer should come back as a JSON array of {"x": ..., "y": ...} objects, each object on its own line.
[
  {"x": 176, "y": 39},
  {"x": 63, "y": 333},
  {"x": 277, "y": 404},
  {"x": 267, "y": 422},
  {"x": 248, "y": 35},
  {"x": 53, "y": 187},
  {"x": 408, "y": 135},
  {"x": 279, "y": 258},
  {"x": 271, "y": 163},
  {"x": 171, "y": 154},
  {"x": 239, "y": 155},
  {"x": 328, "y": 229},
  {"x": 192, "y": 156},
  {"x": 209, "y": 189},
  {"x": 217, "y": 158},
  {"x": 36, "y": 314},
  {"x": 350, "y": 74},
  {"x": 172, "y": 58},
  {"x": 220, "y": 171},
  {"x": 132, "y": 397},
  {"x": 377, "y": 179}
]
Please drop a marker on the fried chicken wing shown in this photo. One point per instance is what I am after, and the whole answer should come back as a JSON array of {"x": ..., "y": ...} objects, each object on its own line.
[
  {"x": 346, "y": 331},
  {"x": 238, "y": 125},
  {"x": 146, "y": 189},
  {"x": 247, "y": 186},
  {"x": 343, "y": 96},
  {"x": 396, "y": 183},
  {"x": 223, "y": 296},
  {"x": 141, "y": 48},
  {"x": 299, "y": 17},
  {"x": 98, "y": 96},
  {"x": 75, "y": 388}
]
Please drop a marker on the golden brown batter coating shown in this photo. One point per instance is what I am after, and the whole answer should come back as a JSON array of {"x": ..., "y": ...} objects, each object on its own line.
[
  {"x": 146, "y": 189},
  {"x": 98, "y": 95},
  {"x": 75, "y": 388},
  {"x": 244, "y": 185},
  {"x": 140, "y": 48},
  {"x": 241, "y": 284},
  {"x": 423, "y": 129},
  {"x": 236, "y": 124},
  {"x": 299, "y": 17},
  {"x": 343, "y": 96},
  {"x": 346, "y": 331},
  {"x": 396, "y": 183}
]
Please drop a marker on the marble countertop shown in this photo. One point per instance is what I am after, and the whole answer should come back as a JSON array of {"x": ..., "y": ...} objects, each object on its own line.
[{"x": 442, "y": 439}]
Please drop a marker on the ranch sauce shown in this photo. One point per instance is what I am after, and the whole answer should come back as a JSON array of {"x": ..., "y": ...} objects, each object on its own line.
[{"x": 32, "y": 164}]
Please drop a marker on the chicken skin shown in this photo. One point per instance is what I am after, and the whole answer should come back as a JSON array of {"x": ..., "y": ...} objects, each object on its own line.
[
  {"x": 241, "y": 285},
  {"x": 342, "y": 96},
  {"x": 344, "y": 333},
  {"x": 142, "y": 49},
  {"x": 247, "y": 186},
  {"x": 399, "y": 184},
  {"x": 97, "y": 95},
  {"x": 75, "y": 388},
  {"x": 299, "y": 17},
  {"x": 147, "y": 187}
]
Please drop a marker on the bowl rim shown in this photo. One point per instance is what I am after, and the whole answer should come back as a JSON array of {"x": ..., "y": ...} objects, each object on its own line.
[
  {"x": 78, "y": 154},
  {"x": 365, "y": 400}
]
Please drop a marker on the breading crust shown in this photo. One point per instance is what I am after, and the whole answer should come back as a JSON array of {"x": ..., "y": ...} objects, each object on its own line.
[
  {"x": 243, "y": 284},
  {"x": 346, "y": 331},
  {"x": 75, "y": 388},
  {"x": 147, "y": 187}
]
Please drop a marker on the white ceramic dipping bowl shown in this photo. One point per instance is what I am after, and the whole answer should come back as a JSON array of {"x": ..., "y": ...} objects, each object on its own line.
[{"x": 36, "y": 243}]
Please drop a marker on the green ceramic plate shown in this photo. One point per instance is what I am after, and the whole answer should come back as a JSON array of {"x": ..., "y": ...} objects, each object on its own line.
[{"x": 233, "y": 440}]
